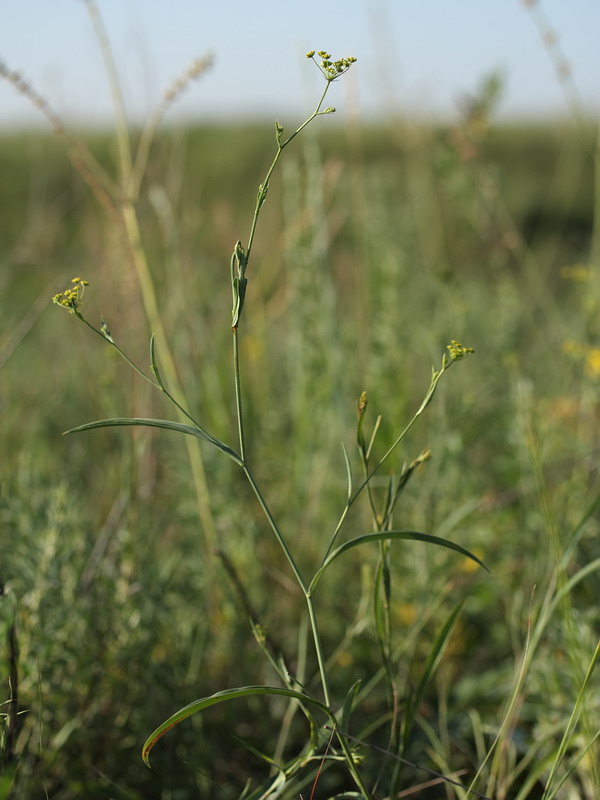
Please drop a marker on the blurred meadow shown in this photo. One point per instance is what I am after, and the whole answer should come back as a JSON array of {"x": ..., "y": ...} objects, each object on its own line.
[{"x": 130, "y": 563}]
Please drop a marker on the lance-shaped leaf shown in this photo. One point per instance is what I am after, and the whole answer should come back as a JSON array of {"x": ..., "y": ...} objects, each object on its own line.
[
  {"x": 223, "y": 697},
  {"x": 154, "y": 365},
  {"x": 381, "y": 536},
  {"x": 348, "y": 472},
  {"x": 169, "y": 425}
]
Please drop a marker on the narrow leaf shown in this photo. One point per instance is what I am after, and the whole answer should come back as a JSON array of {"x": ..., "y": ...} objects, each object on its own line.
[
  {"x": 179, "y": 427},
  {"x": 223, "y": 697},
  {"x": 572, "y": 724},
  {"x": 574, "y": 765},
  {"x": 348, "y": 471},
  {"x": 154, "y": 365},
  {"x": 255, "y": 751},
  {"x": 382, "y": 535},
  {"x": 348, "y": 703}
]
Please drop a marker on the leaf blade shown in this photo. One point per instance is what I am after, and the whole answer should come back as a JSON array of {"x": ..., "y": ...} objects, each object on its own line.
[
  {"x": 167, "y": 424},
  {"x": 222, "y": 697},
  {"x": 416, "y": 536}
]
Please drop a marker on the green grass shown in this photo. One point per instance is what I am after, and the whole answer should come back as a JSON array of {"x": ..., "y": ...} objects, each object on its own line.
[{"x": 376, "y": 246}]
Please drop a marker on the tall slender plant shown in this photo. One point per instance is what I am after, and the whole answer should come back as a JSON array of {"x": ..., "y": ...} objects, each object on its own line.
[{"x": 329, "y": 718}]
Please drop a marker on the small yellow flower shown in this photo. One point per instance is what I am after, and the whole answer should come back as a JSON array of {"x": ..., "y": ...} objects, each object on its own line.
[
  {"x": 458, "y": 351},
  {"x": 467, "y": 565},
  {"x": 332, "y": 69},
  {"x": 407, "y": 613},
  {"x": 573, "y": 348},
  {"x": 72, "y": 297},
  {"x": 579, "y": 273},
  {"x": 260, "y": 633},
  {"x": 345, "y": 659}
]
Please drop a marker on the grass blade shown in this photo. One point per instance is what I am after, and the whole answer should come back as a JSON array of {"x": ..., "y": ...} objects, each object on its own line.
[
  {"x": 576, "y": 713},
  {"x": 431, "y": 666}
]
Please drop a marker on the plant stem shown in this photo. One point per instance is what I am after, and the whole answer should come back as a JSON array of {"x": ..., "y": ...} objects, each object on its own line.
[
  {"x": 138, "y": 257},
  {"x": 261, "y": 196},
  {"x": 133, "y": 242},
  {"x": 275, "y": 529},
  {"x": 351, "y": 500},
  {"x": 264, "y": 188},
  {"x": 299, "y": 578},
  {"x": 238, "y": 394},
  {"x": 318, "y": 648}
]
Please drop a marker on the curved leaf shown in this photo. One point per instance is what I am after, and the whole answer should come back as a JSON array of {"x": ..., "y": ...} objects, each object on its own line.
[
  {"x": 383, "y": 535},
  {"x": 223, "y": 697},
  {"x": 179, "y": 427},
  {"x": 154, "y": 365},
  {"x": 348, "y": 703},
  {"x": 348, "y": 471}
]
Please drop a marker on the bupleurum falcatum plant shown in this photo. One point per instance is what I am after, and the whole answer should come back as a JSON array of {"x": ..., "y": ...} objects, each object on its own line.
[{"x": 332, "y": 737}]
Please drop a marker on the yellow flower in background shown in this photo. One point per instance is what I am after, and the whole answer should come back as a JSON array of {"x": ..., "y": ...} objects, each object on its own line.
[
  {"x": 573, "y": 348},
  {"x": 407, "y": 613},
  {"x": 582, "y": 352},
  {"x": 580, "y": 273},
  {"x": 467, "y": 565},
  {"x": 592, "y": 362}
]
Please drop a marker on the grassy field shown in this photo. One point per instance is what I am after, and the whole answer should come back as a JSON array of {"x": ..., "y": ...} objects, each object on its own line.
[{"x": 135, "y": 561}]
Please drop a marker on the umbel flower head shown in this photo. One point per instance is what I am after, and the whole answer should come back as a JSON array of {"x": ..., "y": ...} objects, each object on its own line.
[
  {"x": 331, "y": 70},
  {"x": 72, "y": 297},
  {"x": 458, "y": 351}
]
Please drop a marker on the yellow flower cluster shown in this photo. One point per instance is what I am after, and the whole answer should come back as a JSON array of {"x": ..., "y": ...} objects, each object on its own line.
[
  {"x": 331, "y": 69},
  {"x": 580, "y": 273},
  {"x": 458, "y": 351},
  {"x": 72, "y": 297},
  {"x": 592, "y": 362},
  {"x": 586, "y": 353}
]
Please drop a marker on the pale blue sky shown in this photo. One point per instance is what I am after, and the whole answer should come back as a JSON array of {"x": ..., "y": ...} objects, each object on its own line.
[{"x": 414, "y": 56}]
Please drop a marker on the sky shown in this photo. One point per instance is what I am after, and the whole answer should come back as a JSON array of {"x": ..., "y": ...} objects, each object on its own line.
[{"x": 414, "y": 57}]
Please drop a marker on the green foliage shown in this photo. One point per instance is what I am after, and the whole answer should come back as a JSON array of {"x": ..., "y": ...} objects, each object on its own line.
[{"x": 137, "y": 576}]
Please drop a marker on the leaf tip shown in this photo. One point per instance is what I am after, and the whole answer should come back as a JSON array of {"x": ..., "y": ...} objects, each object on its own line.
[{"x": 146, "y": 753}]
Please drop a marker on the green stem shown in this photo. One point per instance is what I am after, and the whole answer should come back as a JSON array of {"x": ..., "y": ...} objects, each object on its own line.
[
  {"x": 299, "y": 578},
  {"x": 318, "y": 648},
  {"x": 140, "y": 371},
  {"x": 265, "y": 184},
  {"x": 352, "y": 766},
  {"x": 126, "y": 205},
  {"x": 275, "y": 528},
  {"x": 281, "y": 540},
  {"x": 238, "y": 394},
  {"x": 262, "y": 194},
  {"x": 351, "y": 500}
]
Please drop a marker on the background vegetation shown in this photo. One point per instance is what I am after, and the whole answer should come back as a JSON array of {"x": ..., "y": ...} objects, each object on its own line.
[{"x": 378, "y": 245}]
